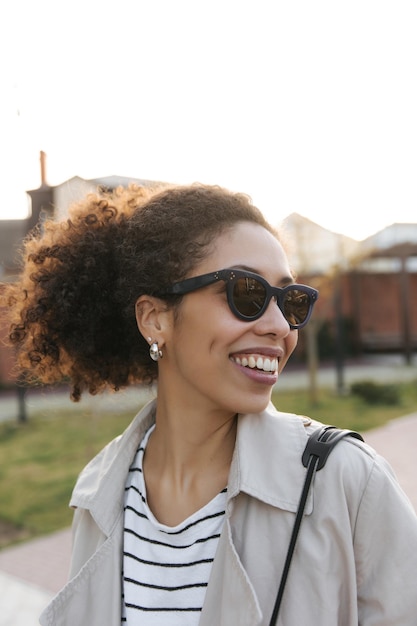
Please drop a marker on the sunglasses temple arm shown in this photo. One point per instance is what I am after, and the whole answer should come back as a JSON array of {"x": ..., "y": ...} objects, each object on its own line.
[{"x": 191, "y": 284}]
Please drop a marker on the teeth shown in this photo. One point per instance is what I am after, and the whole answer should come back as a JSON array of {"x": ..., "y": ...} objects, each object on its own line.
[{"x": 260, "y": 363}]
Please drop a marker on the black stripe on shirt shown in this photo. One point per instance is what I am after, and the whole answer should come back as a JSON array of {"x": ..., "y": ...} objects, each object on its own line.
[
  {"x": 158, "y": 564},
  {"x": 164, "y": 587},
  {"x": 161, "y": 609},
  {"x": 168, "y": 545}
]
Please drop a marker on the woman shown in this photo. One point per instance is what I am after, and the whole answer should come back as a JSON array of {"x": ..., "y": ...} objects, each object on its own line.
[{"x": 185, "y": 519}]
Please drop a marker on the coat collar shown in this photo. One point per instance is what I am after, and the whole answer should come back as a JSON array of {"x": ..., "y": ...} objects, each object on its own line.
[
  {"x": 101, "y": 486},
  {"x": 267, "y": 459},
  {"x": 266, "y": 464}
]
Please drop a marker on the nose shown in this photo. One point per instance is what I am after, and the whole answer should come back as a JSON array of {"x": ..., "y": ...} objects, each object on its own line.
[{"x": 273, "y": 321}]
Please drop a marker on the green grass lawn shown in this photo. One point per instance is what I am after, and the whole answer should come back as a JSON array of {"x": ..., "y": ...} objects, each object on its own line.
[
  {"x": 348, "y": 411},
  {"x": 40, "y": 460}
]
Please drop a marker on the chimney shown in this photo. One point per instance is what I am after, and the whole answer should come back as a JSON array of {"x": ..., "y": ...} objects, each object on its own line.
[
  {"x": 42, "y": 157},
  {"x": 41, "y": 198}
]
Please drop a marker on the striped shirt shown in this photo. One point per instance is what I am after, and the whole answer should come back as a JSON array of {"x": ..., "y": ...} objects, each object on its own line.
[{"x": 165, "y": 569}]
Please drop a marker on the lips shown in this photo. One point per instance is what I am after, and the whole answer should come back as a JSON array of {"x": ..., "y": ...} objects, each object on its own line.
[{"x": 256, "y": 361}]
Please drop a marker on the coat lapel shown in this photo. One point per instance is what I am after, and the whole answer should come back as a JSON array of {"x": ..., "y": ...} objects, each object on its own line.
[{"x": 230, "y": 597}]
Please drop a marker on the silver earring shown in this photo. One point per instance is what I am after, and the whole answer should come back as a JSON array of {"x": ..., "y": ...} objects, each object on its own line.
[{"x": 154, "y": 352}]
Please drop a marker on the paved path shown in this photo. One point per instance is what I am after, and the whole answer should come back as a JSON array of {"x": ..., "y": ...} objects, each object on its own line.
[
  {"x": 397, "y": 442},
  {"x": 32, "y": 572}
]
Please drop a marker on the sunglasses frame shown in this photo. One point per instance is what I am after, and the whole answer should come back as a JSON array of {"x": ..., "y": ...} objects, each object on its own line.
[{"x": 230, "y": 276}]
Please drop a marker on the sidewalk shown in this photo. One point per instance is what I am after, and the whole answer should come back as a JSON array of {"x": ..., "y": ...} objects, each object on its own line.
[
  {"x": 30, "y": 575},
  {"x": 32, "y": 572}
]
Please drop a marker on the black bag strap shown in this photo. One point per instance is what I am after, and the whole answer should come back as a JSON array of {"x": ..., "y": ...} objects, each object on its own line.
[{"x": 319, "y": 445}]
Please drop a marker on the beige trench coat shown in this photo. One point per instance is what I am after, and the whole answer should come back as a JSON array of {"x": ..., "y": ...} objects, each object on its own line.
[{"x": 355, "y": 560}]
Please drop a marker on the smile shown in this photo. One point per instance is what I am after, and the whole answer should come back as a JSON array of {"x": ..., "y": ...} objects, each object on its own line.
[{"x": 257, "y": 362}]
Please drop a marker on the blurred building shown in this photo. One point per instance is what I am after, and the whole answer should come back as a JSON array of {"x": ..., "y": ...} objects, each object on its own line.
[
  {"x": 52, "y": 202},
  {"x": 313, "y": 249},
  {"x": 369, "y": 287}
]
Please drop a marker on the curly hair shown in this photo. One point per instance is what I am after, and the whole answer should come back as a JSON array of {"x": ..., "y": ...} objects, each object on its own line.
[{"x": 73, "y": 308}]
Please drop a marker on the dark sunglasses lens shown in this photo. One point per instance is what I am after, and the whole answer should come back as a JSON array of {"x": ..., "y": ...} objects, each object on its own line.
[
  {"x": 248, "y": 296},
  {"x": 296, "y": 306}
]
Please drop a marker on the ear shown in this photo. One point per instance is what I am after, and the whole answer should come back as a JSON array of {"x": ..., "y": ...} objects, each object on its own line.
[{"x": 151, "y": 317}]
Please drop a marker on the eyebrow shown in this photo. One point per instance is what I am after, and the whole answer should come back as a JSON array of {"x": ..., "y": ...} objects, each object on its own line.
[{"x": 285, "y": 280}]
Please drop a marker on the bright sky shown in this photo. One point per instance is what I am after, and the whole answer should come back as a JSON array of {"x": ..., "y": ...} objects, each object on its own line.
[{"x": 307, "y": 106}]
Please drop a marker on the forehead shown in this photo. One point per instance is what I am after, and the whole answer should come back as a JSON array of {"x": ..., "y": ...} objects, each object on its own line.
[{"x": 251, "y": 246}]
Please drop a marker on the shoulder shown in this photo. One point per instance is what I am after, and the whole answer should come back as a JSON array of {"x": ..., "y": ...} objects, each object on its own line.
[
  {"x": 350, "y": 444},
  {"x": 351, "y": 464},
  {"x": 356, "y": 474}
]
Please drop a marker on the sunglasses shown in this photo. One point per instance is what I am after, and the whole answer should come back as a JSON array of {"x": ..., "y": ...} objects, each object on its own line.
[{"x": 249, "y": 295}]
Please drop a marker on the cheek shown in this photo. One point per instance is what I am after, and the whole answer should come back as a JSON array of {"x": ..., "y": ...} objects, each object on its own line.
[
  {"x": 293, "y": 339},
  {"x": 291, "y": 343}
]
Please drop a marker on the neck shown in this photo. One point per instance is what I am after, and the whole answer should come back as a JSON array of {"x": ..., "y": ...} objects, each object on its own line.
[
  {"x": 187, "y": 460},
  {"x": 188, "y": 441}
]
